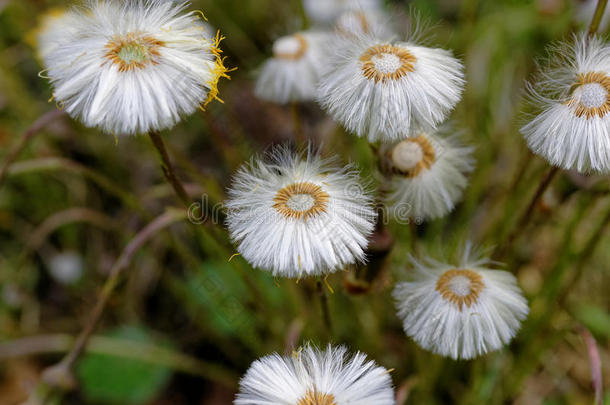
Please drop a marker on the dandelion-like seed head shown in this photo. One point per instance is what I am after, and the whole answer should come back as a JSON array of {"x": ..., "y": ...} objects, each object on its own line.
[
  {"x": 413, "y": 155},
  {"x": 430, "y": 173},
  {"x": 460, "y": 310},
  {"x": 570, "y": 100},
  {"x": 293, "y": 72},
  {"x": 388, "y": 91},
  {"x": 297, "y": 215},
  {"x": 316, "y": 377},
  {"x": 460, "y": 287},
  {"x": 381, "y": 63},
  {"x": 129, "y": 67}
]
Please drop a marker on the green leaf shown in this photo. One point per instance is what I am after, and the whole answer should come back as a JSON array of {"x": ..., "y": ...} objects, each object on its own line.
[{"x": 113, "y": 380}]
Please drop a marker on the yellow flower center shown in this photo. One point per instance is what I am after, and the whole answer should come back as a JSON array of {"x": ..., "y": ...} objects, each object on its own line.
[
  {"x": 460, "y": 287},
  {"x": 291, "y": 48},
  {"x": 386, "y": 62},
  {"x": 317, "y": 398},
  {"x": 301, "y": 200},
  {"x": 591, "y": 95},
  {"x": 133, "y": 51},
  {"x": 412, "y": 155}
]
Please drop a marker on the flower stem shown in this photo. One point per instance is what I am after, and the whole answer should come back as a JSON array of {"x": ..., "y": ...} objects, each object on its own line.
[
  {"x": 324, "y": 305},
  {"x": 38, "y": 125},
  {"x": 597, "y": 16},
  {"x": 168, "y": 169},
  {"x": 527, "y": 214},
  {"x": 60, "y": 374}
]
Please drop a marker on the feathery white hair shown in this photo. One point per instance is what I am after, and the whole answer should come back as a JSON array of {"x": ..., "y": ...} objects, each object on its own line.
[
  {"x": 461, "y": 311},
  {"x": 56, "y": 26},
  {"x": 313, "y": 376},
  {"x": 293, "y": 73},
  {"x": 430, "y": 173},
  {"x": 295, "y": 214},
  {"x": 134, "y": 66},
  {"x": 571, "y": 98},
  {"x": 326, "y": 11},
  {"x": 385, "y": 91}
]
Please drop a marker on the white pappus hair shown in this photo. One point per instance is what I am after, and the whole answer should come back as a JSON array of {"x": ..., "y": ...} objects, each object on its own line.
[
  {"x": 135, "y": 66},
  {"x": 313, "y": 376},
  {"x": 460, "y": 311},
  {"x": 293, "y": 73},
  {"x": 386, "y": 91},
  {"x": 430, "y": 174},
  {"x": 296, "y": 214},
  {"x": 570, "y": 126}
]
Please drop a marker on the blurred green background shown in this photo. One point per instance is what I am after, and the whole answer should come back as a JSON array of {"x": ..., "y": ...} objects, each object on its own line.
[{"x": 185, "y": 322}]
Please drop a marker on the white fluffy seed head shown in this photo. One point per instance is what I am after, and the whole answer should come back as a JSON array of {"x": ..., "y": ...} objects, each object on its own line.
[
  {"x": 460, "y": 310},
  {"x": 316, "y": 377},
  {"x": 570, "y": 97},
  {"x": 56, "y": 26},
  {"x": 430, "y": 174},
  {"x": 132, "y": 67},
  {"x": 298, "y": 215},
  {"x": 292, "y": 74},
  {"x": 387, "y": 91}
]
